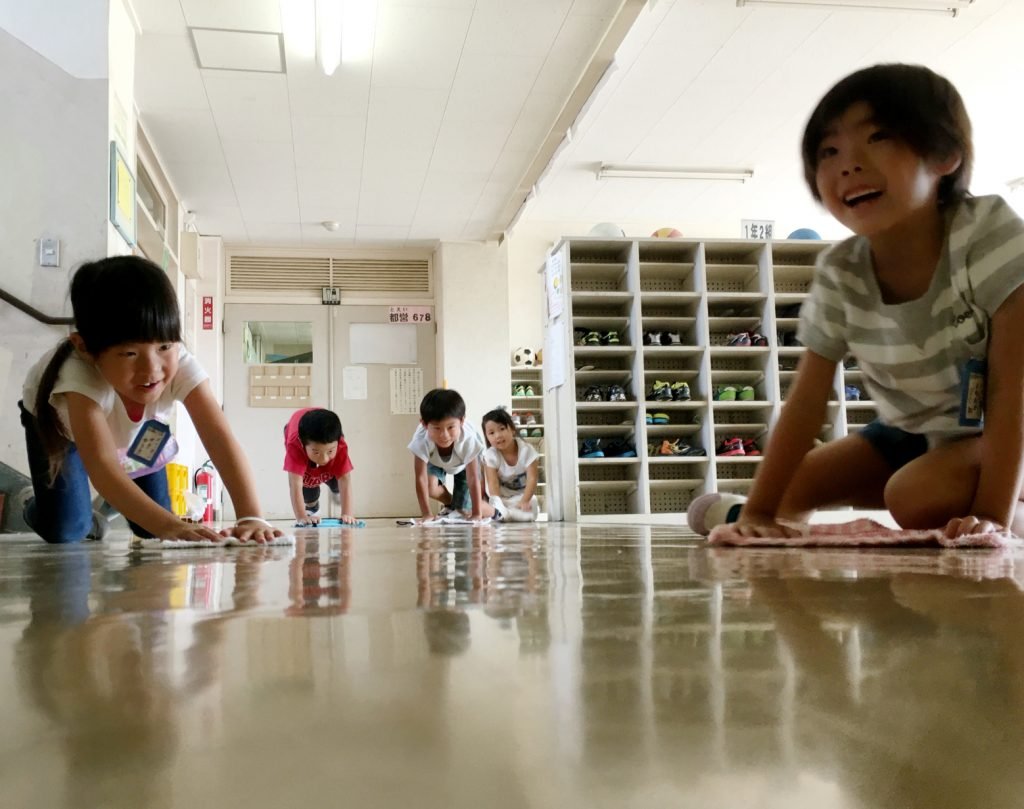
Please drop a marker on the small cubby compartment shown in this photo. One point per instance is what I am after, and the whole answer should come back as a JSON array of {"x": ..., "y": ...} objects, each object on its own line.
[
  {"x": 736, "y": 474},
  {"x": 586, "y": 390},
  {"x": 674, "y": 483},
  {"x": 599, "y": 266},
  {"x": 734, "y": 269},
  {"x": 668, "y": 266},
  {"x": 863, "y": 413},
  {"x": 609, "y": 485}
]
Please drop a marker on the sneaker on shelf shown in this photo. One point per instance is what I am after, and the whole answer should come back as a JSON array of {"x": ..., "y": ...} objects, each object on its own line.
[
  {"x": 850, "y": 363},
  {"x": 594, "y": 393},
  {"x": 667, "y": 449},
  {"x": 619, "y": 448},
  {"x": 671, "y": 338},
  {"x": 726, "y": 394},
  {"x": 652, "y": 338},
  {"x": 750, "y": 447},
  {"x": 579, "y": 337},
  {"x": 649, "y": 418},
  {"x": 731, "y": 446},
  {"x": 536, "y": 432},
  {"x": 517, "y": 420},
  {"x": 758, "y": 340},
  {"x": 616, "y": 393},
  {"x": 746, "y": 394},
  {"x": 610, "y": 338},
  {"x": 659, "y": 418},
  {"x": 739, "y": 339},
  {"x": 530, "y": 420},
  {"x": 680, "y": 392},
  {"x": 528, "y": 391},
  {"x": 592, "y": 338},
  {"x": 519, "y": 390},
  {"x": 584, "y": 368},
  {"x": 591, "y": 448},
  {"x": 852, "y": 393},
  {"x": 660, "y": 392},
  {"x": 697, "y": 418}
]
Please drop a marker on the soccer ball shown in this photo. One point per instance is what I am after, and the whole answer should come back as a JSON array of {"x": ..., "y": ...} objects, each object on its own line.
[
  {"x": 667, "y": 233},
  {"x": 804, "y": 233},
  {"x": 524, "y": 357}
]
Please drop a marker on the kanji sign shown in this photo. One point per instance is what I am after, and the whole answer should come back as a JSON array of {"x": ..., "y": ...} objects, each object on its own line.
[
  {"x": 410, "y": 314},
  {"x": 207, "y": 312}
]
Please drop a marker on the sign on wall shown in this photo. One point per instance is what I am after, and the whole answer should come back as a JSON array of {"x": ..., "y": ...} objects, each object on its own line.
[
  {"x": 410, "y": 314},
  {"x": 207, "y": 312},
  {"x": 758, "y": 228}
]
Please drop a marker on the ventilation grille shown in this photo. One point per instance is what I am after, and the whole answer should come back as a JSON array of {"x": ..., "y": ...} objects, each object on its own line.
[{"x": 302, "y": 274}]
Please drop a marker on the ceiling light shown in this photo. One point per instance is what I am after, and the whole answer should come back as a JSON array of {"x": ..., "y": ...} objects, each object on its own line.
[
  {"x": 357, "y": 23},
  {"x": 607, "y": 171},
  {"x": 947, "y": 8},
  {"x": 328, "y": 35}
]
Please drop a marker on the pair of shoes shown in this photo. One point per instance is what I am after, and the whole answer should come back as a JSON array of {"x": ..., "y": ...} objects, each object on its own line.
[
  {"x": 619, "y": 448},
  {"x": 523, "y": 390},
  {"x": 729, "y": 393},
  {"x": 660, "y": 392},
  {"x": 612, "y": 393},
  {"x": 657, "y": 418},
  {"x": 737, "y": 445},
  {"x": 709, "y": 510},
  {"x": 591, "y": 448},
  {"x": 662, "y": 338},
  {"x": 747, "y": 338},
  {"x": 852, "y": 393},
  {"x": 677, "y": 448},
  {"x": 596, "y": 338},
  {"x": 609, "y": 338}
]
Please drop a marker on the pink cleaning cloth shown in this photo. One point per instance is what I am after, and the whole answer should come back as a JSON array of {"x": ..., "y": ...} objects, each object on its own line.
[{"x": 864, "y": 533}]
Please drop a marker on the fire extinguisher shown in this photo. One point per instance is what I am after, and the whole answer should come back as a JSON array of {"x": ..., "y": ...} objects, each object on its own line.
[{"x": 205, "y": 481}]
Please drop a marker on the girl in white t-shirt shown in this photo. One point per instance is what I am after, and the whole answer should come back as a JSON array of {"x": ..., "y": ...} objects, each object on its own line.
[
  {"x": 510, "y": 465},
  {"x": 97, "y": 409}
]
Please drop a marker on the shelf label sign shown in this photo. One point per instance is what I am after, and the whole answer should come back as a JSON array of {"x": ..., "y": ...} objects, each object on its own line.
[
  {"x": 410, "y": 314},
  {"x": 207, "y": 312},
  {"x": 758, "y": 228}
]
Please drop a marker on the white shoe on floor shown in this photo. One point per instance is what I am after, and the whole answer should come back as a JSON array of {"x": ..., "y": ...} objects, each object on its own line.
[{"x": 709, "y": 510}]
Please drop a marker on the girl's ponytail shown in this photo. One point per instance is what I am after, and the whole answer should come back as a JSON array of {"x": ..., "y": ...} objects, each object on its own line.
[{"x": 48, "y": 424}]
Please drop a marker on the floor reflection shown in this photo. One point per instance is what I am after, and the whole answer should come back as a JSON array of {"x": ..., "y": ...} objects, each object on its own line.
[{"x": 545, "y": 665}]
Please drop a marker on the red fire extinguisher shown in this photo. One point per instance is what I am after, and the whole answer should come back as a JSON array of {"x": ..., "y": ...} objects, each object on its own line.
[{"x": 206, "y": 486}]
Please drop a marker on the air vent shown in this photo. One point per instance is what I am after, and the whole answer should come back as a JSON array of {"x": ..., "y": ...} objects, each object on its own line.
[
  {"x": 381, "y": 275},
  {"x": 307, "y": 274},
  {"x": 296, "y": 274}
]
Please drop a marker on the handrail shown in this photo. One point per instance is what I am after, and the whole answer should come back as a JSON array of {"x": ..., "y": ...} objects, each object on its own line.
[{"x": 31, "y": 311}]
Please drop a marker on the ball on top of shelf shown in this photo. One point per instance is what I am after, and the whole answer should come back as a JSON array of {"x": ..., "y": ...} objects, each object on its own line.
[
  {"x": 607, "y": 230},
  {"x": 667, "y": 233},
  {"x": 804, "y": 233},
  {"x": 524, "y": 358}
]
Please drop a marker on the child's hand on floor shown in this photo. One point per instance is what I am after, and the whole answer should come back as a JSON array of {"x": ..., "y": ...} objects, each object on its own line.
[
  {"x": 965, "y": 526},
  {"x": 191, "y": 532},
  {"x": 759, "y": 525},
  {"x": 252, "y": 530},
  {"x": 348, "y": 519}
]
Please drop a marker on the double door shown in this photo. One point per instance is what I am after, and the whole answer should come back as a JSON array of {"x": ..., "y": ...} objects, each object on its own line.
[{"x": 338, "y": 357}]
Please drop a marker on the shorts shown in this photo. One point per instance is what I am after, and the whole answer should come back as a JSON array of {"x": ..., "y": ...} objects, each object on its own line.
[
  {"x": 460, "y": 490},
  {"x": 896, "y": 446}
]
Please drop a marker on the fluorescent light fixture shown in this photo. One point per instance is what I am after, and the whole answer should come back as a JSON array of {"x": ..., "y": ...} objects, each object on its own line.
[
  {"x": 298, "y": 21},
  {"x": 328, "y": 35},
  {"x": 946, "y": 8},
  {"x": 607, "y": 171},
  {"x": 357, "y": 28}
]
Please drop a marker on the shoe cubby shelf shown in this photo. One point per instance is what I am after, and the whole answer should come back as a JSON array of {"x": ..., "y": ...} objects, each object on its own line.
[
  {"x": 523, "y": 406},
  {"x": 668, "y": 311}
]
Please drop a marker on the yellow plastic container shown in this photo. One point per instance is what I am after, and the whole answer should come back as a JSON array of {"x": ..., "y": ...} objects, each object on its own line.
[{"x": 177, "y": 483}]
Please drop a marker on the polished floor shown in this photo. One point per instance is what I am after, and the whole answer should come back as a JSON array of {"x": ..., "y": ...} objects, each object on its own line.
[{"x": 516, "y": 666}]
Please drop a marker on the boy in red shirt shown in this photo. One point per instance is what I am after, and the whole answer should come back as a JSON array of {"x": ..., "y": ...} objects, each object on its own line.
[{"x": 315, "y": 452}]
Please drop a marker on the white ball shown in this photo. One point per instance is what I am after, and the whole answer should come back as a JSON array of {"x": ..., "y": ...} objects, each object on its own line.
[
  {"x": 607, "y": 230},
  {"x": 524, "y": 356}
]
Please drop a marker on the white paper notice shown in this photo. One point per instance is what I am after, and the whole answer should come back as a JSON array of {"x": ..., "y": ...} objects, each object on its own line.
[
  {"x": 406, "y": 390},
  {"x": 353, "y": 382},
  {"x": 554, "y": 355}
]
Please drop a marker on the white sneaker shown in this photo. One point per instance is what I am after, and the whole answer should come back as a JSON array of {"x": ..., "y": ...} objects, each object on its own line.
[{"x": 709, "y": 510}]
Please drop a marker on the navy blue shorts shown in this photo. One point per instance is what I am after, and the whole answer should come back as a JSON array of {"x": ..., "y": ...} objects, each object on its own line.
[{"x": 897, "y": 446}]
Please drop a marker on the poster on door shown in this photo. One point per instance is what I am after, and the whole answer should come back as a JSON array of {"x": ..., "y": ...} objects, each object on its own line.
[{"x": 406, "y": 391}]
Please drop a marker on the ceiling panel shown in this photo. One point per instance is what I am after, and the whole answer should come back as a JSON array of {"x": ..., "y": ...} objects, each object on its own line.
[{"x": 239, "y": 15}]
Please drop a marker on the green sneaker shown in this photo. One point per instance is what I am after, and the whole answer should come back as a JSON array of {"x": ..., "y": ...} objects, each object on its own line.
[{"x": 746, "y": 394}]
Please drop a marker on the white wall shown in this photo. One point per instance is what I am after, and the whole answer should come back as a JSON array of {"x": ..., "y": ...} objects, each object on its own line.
[
  {"x": 121, "y": 119},
  {"x": 72, "y": 34},
  {"x": 53, "y": 161},
  {"x": 471, "y": 289}
]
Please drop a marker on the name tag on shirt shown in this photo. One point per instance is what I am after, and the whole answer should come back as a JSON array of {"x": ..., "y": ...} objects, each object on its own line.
[
  {"x": 149, "y": 442},
  {"x": 972, "y": 393}
]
